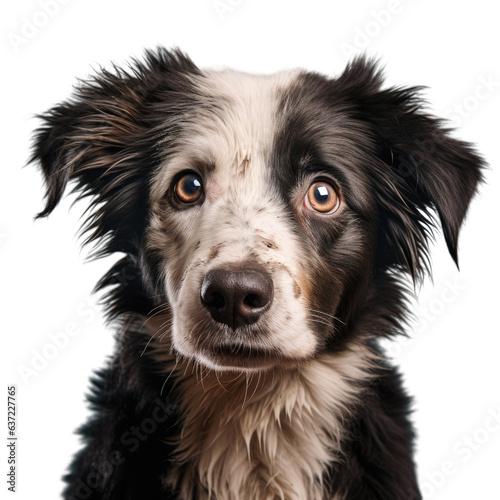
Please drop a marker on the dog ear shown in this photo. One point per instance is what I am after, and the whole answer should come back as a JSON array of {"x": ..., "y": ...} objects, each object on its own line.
[
  {"x": 106, "y": 138},
  {"x": 420, "y": 168}
]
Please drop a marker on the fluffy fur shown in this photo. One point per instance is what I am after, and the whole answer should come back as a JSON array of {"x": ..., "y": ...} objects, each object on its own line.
[{"x": 295, "y": 399}]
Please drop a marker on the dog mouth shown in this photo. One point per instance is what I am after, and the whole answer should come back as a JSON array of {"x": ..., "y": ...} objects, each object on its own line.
[
  {"x": 245, "y": 351},
  {"x": 241, "y": 320},
  {"x": 239, "y": 356}
]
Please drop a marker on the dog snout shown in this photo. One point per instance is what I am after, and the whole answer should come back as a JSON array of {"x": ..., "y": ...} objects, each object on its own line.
[{"x": 237, "y": 297}]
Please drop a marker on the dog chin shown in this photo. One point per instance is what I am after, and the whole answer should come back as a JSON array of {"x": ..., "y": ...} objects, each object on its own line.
[
  {"x": 233, "y": 357},
  {"x": 236, "y": 364}
]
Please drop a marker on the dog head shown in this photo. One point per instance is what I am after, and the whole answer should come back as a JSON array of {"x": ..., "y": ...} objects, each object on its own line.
[{"x": 256, "y": 211}]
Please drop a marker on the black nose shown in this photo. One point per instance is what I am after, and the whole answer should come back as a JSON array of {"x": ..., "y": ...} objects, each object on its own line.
[{"x": 236, "y": 297}]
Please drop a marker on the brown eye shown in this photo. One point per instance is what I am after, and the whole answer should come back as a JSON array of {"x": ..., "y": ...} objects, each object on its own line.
[
  {"x": 322, "y": 197},
  {"x": 189, "y": 188}
]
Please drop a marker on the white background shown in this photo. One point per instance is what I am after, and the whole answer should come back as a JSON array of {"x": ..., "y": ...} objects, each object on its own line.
[{"x": 451, "y": 366}]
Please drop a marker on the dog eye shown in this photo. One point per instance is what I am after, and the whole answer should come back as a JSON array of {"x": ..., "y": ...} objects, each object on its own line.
[
  {"x": 189, "y": 188},
  {"x": 322, "y": 197}
]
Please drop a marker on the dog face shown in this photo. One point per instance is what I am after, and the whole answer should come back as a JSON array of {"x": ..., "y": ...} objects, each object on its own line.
[
  {"x": 256, "y": 211},
  {"x": 254, "y": 237}
]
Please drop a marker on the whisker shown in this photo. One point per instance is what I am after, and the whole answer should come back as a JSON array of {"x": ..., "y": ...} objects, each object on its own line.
[
  {"x": 218, "y": 380},
  {"x": 247, "y": 382},
  {"x": 160, "y": 328},
  {"x": 157, "y": 307},
  {"x": 325, "y": 315},
  {"x": 255, "y": 390},
  {"x": 202, "y": 378},
  {"x": 321, "y": 322},
  {"x": 187, "y": 366},
  {"x": 149, "y": 342},
  {"x": 167, "y": 330},
  {"x": 315, "y": 316},
  {"x": 165, "y": 309},
  {"x": 171, "y": 371}
]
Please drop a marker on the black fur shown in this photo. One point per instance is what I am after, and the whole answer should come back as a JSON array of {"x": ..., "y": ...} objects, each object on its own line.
[{"x": 396, "y": 164}]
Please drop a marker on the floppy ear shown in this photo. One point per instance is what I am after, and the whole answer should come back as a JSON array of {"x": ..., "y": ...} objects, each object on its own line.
[
  {"x": 420, "y": 168},
  {"x": 106, "y": 140}
]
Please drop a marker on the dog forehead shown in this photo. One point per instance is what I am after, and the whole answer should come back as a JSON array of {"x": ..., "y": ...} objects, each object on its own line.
[
  {"x": 245, "y": 111},
  {"x": 229, "y": 129}
]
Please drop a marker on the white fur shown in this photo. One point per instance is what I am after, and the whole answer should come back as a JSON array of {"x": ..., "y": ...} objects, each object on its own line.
[
  {"x": 269, "y": 437},
  {"x": 249, "y": 432},
  {"x": 241, "y": 216}
]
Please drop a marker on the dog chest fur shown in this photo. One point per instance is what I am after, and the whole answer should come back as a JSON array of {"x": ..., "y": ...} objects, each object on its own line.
[{"x": 268, "y": 436}]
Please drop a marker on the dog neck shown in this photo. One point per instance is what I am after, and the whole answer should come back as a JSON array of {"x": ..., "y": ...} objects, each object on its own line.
[{"x": 269, "y": 435}]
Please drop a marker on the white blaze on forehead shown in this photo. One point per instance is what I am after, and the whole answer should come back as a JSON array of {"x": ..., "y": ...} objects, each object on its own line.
[
  {"x": 250, "y": 117},
  {"x": 227, "y": 138},
  {"x": 231, "y": 126}
]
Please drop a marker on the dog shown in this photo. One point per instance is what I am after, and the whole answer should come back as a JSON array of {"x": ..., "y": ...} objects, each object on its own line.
[{"x": 269, "y": 227}]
